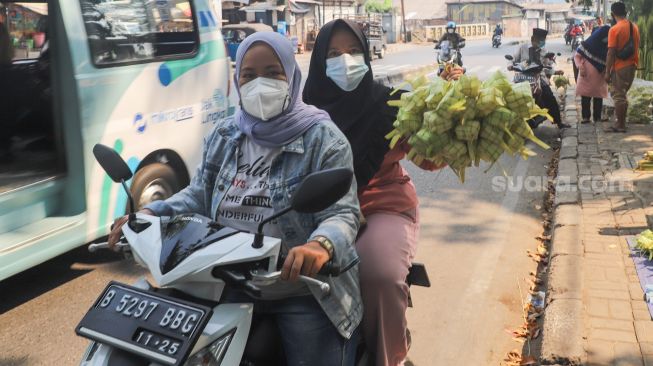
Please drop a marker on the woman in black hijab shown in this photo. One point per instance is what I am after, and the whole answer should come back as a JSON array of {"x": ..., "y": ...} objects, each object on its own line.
[{"x": 340, "y": 81}]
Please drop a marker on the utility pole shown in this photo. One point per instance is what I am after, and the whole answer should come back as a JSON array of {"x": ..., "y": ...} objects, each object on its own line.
[
  {"x": 403, "y": 21},
  {"x": 605, "y": 12},
  {"x": 598, "y": 8}
]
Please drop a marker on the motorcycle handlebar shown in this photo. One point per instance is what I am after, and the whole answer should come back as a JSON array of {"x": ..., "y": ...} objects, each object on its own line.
[{"x": 330, "y": 269}]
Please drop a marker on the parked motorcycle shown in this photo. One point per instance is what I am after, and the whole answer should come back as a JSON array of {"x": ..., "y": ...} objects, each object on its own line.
[
  {"x": 531, "y": 73},
  {"x": 448, "y": 54},
  {"x": 194, "y": 262},
  {"x": 550, "y": 71},
  {"x": 496, "y": 40}
]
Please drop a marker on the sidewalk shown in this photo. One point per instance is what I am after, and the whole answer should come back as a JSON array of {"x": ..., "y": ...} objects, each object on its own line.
[{"x": 596, "y": 314}]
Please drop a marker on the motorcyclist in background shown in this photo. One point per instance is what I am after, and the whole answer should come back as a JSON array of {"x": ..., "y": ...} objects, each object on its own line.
[
  {"x": 575, "y": 30},
  {"x": 496, "y": 36},
  {"x": 567, "y": 35},
  {"x": 497, "y": 30},
  {"x": 455, "y": 40},
  {"x": 535, "y": 53}
]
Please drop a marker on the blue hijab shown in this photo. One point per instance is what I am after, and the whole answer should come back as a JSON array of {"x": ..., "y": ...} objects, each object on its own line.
[
  {"x": 297, "y": 117},
  {"x": 595, "y": 48}
]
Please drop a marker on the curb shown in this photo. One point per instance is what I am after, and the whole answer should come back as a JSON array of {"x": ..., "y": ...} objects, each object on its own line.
[{"x": 562, "y": 336}]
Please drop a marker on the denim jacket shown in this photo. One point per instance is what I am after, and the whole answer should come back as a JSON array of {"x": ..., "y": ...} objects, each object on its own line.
[{"x": 321, "y": 147}]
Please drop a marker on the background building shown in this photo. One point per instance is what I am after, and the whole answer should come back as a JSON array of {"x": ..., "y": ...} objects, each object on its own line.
[{"x": 481, "y": 11}]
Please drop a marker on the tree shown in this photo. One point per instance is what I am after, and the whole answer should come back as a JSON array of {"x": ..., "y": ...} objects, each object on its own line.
[
  {"x": 639, "y": 7},
  {"x": 640, "y": 12},
  {"x": 378, "y": 6},
  {"x": 587, "y": 4}
]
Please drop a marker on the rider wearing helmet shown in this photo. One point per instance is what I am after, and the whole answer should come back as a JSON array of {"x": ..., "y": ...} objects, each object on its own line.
[
  {"x": 536, "y": 53},
  {"x": 455, "y": 40}
]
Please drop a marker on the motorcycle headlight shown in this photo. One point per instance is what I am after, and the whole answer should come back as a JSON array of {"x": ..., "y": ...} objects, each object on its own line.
[{"x": 213, "y": 354}]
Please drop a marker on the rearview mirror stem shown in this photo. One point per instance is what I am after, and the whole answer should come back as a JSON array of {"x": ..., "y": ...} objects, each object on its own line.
[
  {"x": 132, "y": 212},
  {"x": 258, "y": 237}
]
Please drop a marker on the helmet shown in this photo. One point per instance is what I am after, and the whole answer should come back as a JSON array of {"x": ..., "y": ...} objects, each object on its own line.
[{"x": 451, "y": 25}]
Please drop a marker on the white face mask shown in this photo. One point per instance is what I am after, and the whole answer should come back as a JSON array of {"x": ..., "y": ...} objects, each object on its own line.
[
  {"x": 264, "y": 98},
  {"x": 450, "y": 30},
  {"x": 346, "y": 70}
]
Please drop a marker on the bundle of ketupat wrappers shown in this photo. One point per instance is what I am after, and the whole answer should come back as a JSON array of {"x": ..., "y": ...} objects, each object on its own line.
[
  {"x": 466, "y": 121},
  {"x": 646, "y": 164}
]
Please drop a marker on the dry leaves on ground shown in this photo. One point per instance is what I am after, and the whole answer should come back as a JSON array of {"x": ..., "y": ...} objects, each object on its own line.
[{"x": 514, "y": 358}]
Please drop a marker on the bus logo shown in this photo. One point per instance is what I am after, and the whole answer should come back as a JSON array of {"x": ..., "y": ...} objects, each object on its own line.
[{"x": 139, "y": 122}]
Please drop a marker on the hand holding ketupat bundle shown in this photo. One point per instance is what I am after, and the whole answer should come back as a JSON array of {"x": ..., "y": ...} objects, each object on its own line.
[
  {"x": 452, "y": 72},
  {"x": 461, "y": 121}
]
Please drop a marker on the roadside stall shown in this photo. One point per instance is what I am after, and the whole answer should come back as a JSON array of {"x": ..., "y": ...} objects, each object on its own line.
[{"x": 27, "y": 23}]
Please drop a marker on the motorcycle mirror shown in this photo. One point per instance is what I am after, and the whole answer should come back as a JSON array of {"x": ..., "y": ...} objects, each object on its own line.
[
  {"x": 509, "y": 57},
  {"x": 117, "y": 170},
  {"x": 112, "y": 163},
  {"x": 315, "y": 193},
  {"x": 321, "y": 189},
  {"x": 559, "y": 54}
]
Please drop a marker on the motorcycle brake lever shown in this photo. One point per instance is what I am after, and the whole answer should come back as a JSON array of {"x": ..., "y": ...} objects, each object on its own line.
[
  {"x": 268, "y": 278},
  {"x": 122, "y": 245}
]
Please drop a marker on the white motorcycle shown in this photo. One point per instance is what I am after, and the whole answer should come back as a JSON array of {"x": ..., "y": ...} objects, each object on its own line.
[{"x": 194, "y": 262}]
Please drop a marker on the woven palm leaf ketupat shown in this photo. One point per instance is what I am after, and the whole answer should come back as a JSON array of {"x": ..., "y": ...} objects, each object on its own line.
[{"x": 464, "y": 122}]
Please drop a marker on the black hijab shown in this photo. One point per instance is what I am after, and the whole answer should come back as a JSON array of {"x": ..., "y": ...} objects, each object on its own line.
[{"x": 362, "y": 114}]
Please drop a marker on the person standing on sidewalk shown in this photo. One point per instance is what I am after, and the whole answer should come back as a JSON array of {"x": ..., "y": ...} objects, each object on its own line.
[
  {"x": 340, "y": 81},
  {"x": 590, "y": 58},
  {"x": 622, "y": 61}
]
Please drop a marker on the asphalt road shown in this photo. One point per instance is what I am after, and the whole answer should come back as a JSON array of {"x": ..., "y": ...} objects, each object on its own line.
[
  {"x": 474, "y": 238},
  {"x": 478, "y": 57}
]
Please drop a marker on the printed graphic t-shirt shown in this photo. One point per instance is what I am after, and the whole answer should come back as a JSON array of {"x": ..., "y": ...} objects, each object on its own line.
[{"x": 248, "y": 202}]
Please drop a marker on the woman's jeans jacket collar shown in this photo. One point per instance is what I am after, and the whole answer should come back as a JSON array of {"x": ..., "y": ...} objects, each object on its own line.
[{"x": 323, "y": 146}]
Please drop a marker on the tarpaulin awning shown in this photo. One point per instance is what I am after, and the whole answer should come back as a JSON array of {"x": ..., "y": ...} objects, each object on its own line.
[
  {"x": 261, "y": 7},
  {"x": 299, "y": 8},
  {"x": 38, "y": 8}
]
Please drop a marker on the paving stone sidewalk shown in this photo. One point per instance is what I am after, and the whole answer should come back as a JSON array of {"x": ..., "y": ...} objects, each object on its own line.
[{"x": 615, "y": 202}]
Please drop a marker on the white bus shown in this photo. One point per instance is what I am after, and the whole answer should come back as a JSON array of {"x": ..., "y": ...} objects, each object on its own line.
[{"x": 146, "y": 77}]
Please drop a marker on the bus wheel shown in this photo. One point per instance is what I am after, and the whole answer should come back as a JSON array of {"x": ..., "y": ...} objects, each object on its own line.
[{"x": 156, "y": 181}]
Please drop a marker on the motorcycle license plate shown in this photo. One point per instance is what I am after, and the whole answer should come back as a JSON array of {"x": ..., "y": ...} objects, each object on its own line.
[
  {"x": 521, "y": 77},
  {"x": 160, "y": 328}
]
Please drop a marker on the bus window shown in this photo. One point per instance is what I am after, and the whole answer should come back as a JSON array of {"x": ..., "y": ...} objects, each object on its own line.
[
  {"x": 28, "y": 142},
  {"x": 137, "y": 31}
]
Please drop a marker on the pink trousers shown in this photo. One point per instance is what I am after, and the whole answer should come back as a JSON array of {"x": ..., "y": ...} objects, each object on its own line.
[{"x": 386, "y": 249}]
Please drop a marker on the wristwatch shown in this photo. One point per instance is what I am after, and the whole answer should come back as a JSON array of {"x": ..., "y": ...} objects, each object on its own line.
[{"x": 325, "y": 243}]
